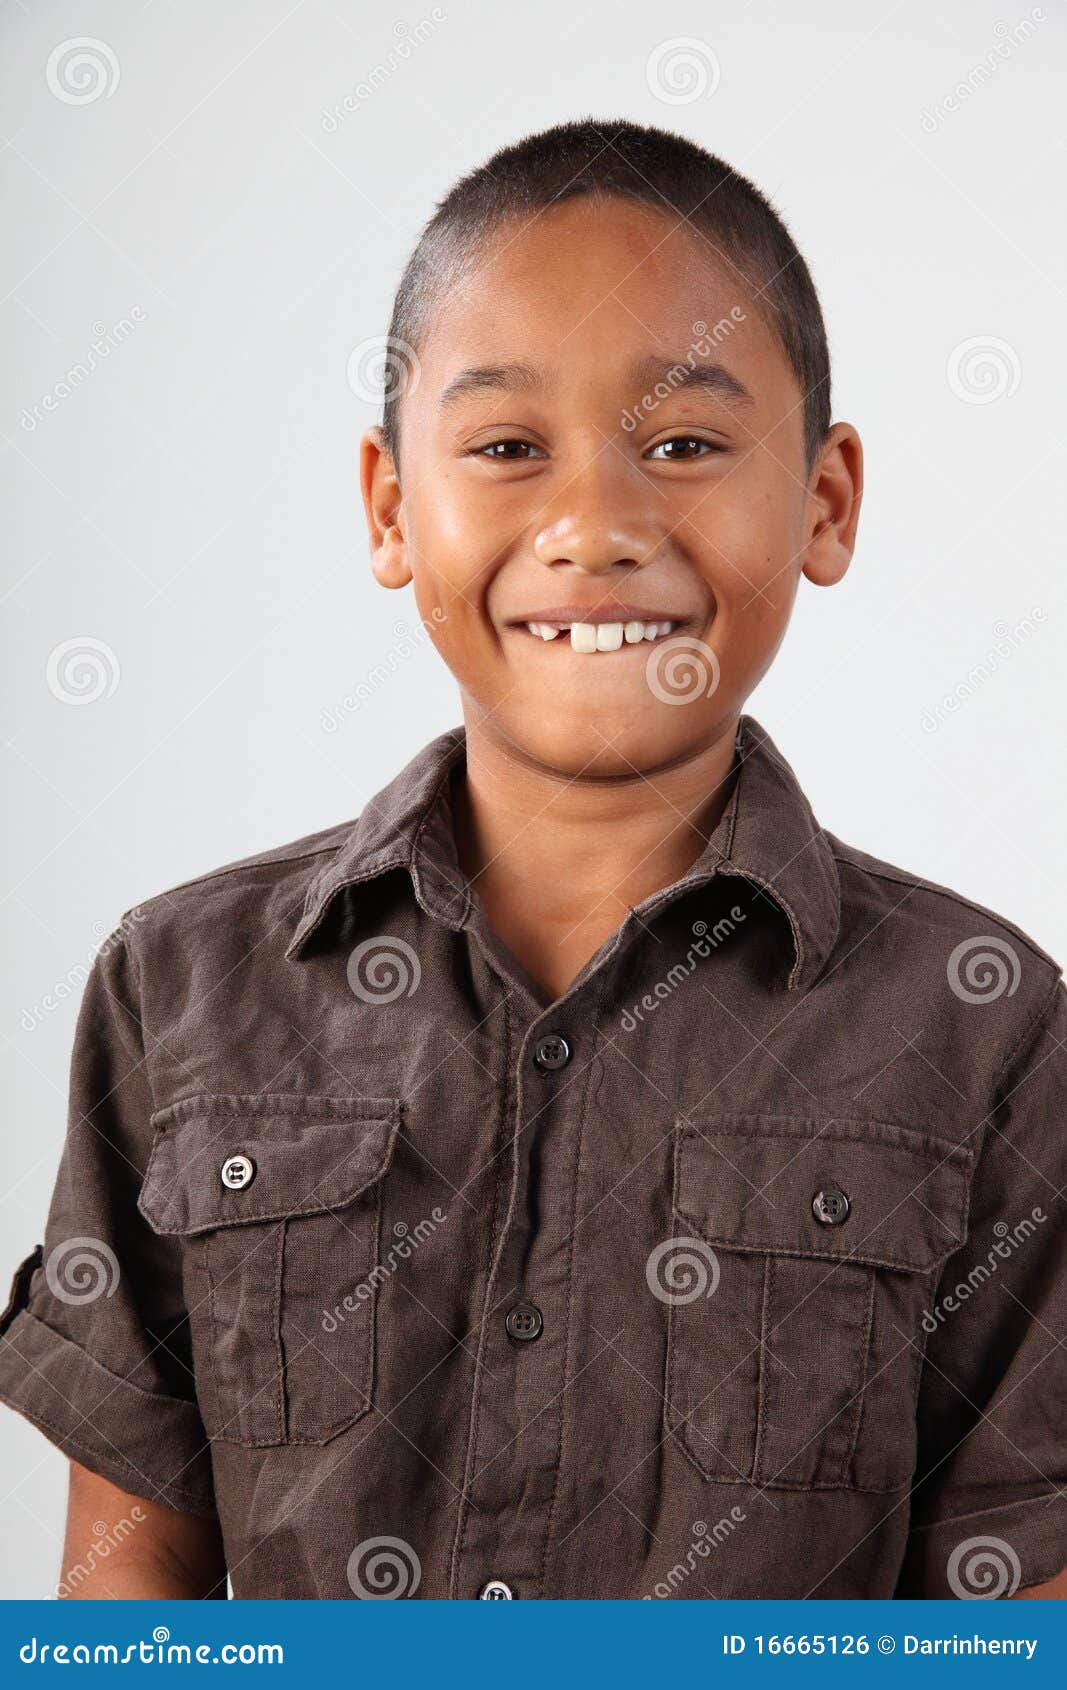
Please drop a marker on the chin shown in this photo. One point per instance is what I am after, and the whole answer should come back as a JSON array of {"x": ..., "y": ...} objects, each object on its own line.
[{"x": 595, "y": 747}]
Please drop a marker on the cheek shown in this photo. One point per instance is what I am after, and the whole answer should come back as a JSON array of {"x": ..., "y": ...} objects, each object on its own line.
[
  {"x": 452, "y": 624},
  {"x": 454, "y": 556},
  {"x": 448, "y": 574},
  {"x": 754, "y": 626},
  {"x": 751, "y": 539},
  {"x": 453, "y": 615}
]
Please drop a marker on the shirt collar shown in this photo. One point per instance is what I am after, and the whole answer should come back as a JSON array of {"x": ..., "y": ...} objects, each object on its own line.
[{"x": 767, "y": 835}]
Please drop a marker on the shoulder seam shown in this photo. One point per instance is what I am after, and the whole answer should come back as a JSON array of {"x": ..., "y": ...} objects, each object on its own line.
[
  {"x": 230, "y": 868},
  {"x": 126, "y": 942},
  {"x": 1035, "y": 1021},
  {"x": 918, "y": 882}
]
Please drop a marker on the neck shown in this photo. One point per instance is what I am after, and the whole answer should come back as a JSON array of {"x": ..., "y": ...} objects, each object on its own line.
[{"x": 557, "y": 861}]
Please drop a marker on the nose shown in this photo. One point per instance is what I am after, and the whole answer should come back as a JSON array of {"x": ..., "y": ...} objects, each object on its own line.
[{"x": 599, "y": 521}]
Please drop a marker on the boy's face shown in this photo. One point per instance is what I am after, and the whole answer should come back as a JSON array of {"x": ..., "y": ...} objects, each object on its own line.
[{"x": 540, "y": 486}]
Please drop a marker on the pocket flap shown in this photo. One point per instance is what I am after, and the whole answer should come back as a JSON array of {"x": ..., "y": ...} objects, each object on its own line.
[
  {"x": 748, "y": 1182},
  {"x": 302, "y": 1156}
]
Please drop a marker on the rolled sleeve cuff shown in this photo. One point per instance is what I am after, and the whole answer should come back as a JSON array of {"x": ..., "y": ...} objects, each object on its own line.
[
  {"x": 991, "y": 1552},
  {"x": 148, "y": 1444}
]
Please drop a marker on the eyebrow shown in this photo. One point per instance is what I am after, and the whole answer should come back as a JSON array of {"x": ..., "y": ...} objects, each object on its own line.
[
  {"x": 677, "y": 374},
  {"x": 504, "y": 378}
]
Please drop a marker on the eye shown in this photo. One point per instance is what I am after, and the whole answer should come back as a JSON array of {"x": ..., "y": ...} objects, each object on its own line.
[
  {"x": 507, "y": 451},
  {"x": 681, "y": 448}
]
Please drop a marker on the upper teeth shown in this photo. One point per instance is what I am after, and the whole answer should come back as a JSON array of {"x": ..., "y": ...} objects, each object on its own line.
[{"x": 602, "y": 636}]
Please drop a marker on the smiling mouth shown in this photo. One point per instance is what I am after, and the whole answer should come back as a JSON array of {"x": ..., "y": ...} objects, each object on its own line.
[{"x": 589, "y": 637}]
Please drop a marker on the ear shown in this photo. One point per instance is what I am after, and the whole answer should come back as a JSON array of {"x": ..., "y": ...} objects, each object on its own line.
[
  {"x": 383, "y": 506},
  {"x": 835, "y": 492}
]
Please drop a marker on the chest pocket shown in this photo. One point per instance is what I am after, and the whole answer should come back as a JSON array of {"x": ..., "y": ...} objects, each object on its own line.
[
  {"x": 814, "y": 1250},
  {"x": 276, "y": 1200}
]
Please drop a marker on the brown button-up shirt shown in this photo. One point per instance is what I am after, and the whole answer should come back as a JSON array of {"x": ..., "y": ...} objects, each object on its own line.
[{"x": 736, "y": 1271}]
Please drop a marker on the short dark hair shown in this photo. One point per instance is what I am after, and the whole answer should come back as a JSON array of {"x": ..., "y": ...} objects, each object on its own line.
[{"x": 656, "y": 166}]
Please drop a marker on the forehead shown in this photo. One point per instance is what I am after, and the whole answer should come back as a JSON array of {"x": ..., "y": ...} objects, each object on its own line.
[{"x": 603, "y": 280}]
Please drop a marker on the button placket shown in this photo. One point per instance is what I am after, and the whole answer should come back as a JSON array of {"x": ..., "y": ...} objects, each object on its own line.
[{"x": 513, "y": 1461}]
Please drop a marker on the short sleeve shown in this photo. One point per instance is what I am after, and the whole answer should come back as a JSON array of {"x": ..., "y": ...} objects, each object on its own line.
[
  {"x": 989, "y": 1514},
  {"x": 94, "y": 1344}
]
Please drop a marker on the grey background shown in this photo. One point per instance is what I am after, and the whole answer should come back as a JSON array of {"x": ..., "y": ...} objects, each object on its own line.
[{"x": 192, "y": 502}]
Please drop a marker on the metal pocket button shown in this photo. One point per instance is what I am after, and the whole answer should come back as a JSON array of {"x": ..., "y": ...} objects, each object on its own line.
[
  {"x": 237, "y": 1172},
  {"x": 496, "y": 1591}
]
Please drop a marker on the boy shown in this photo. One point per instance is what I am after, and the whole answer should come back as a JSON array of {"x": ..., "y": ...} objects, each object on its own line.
[{"x": 582, "y": 1176}]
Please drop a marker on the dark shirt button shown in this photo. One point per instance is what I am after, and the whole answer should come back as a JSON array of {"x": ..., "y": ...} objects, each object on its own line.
[
  {"x": 830, "y": 1206},
  {"x": 496, "y": 1591},
  {"x": 552, "y": 1051},
  {"x": 524, "y": 1322}
]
